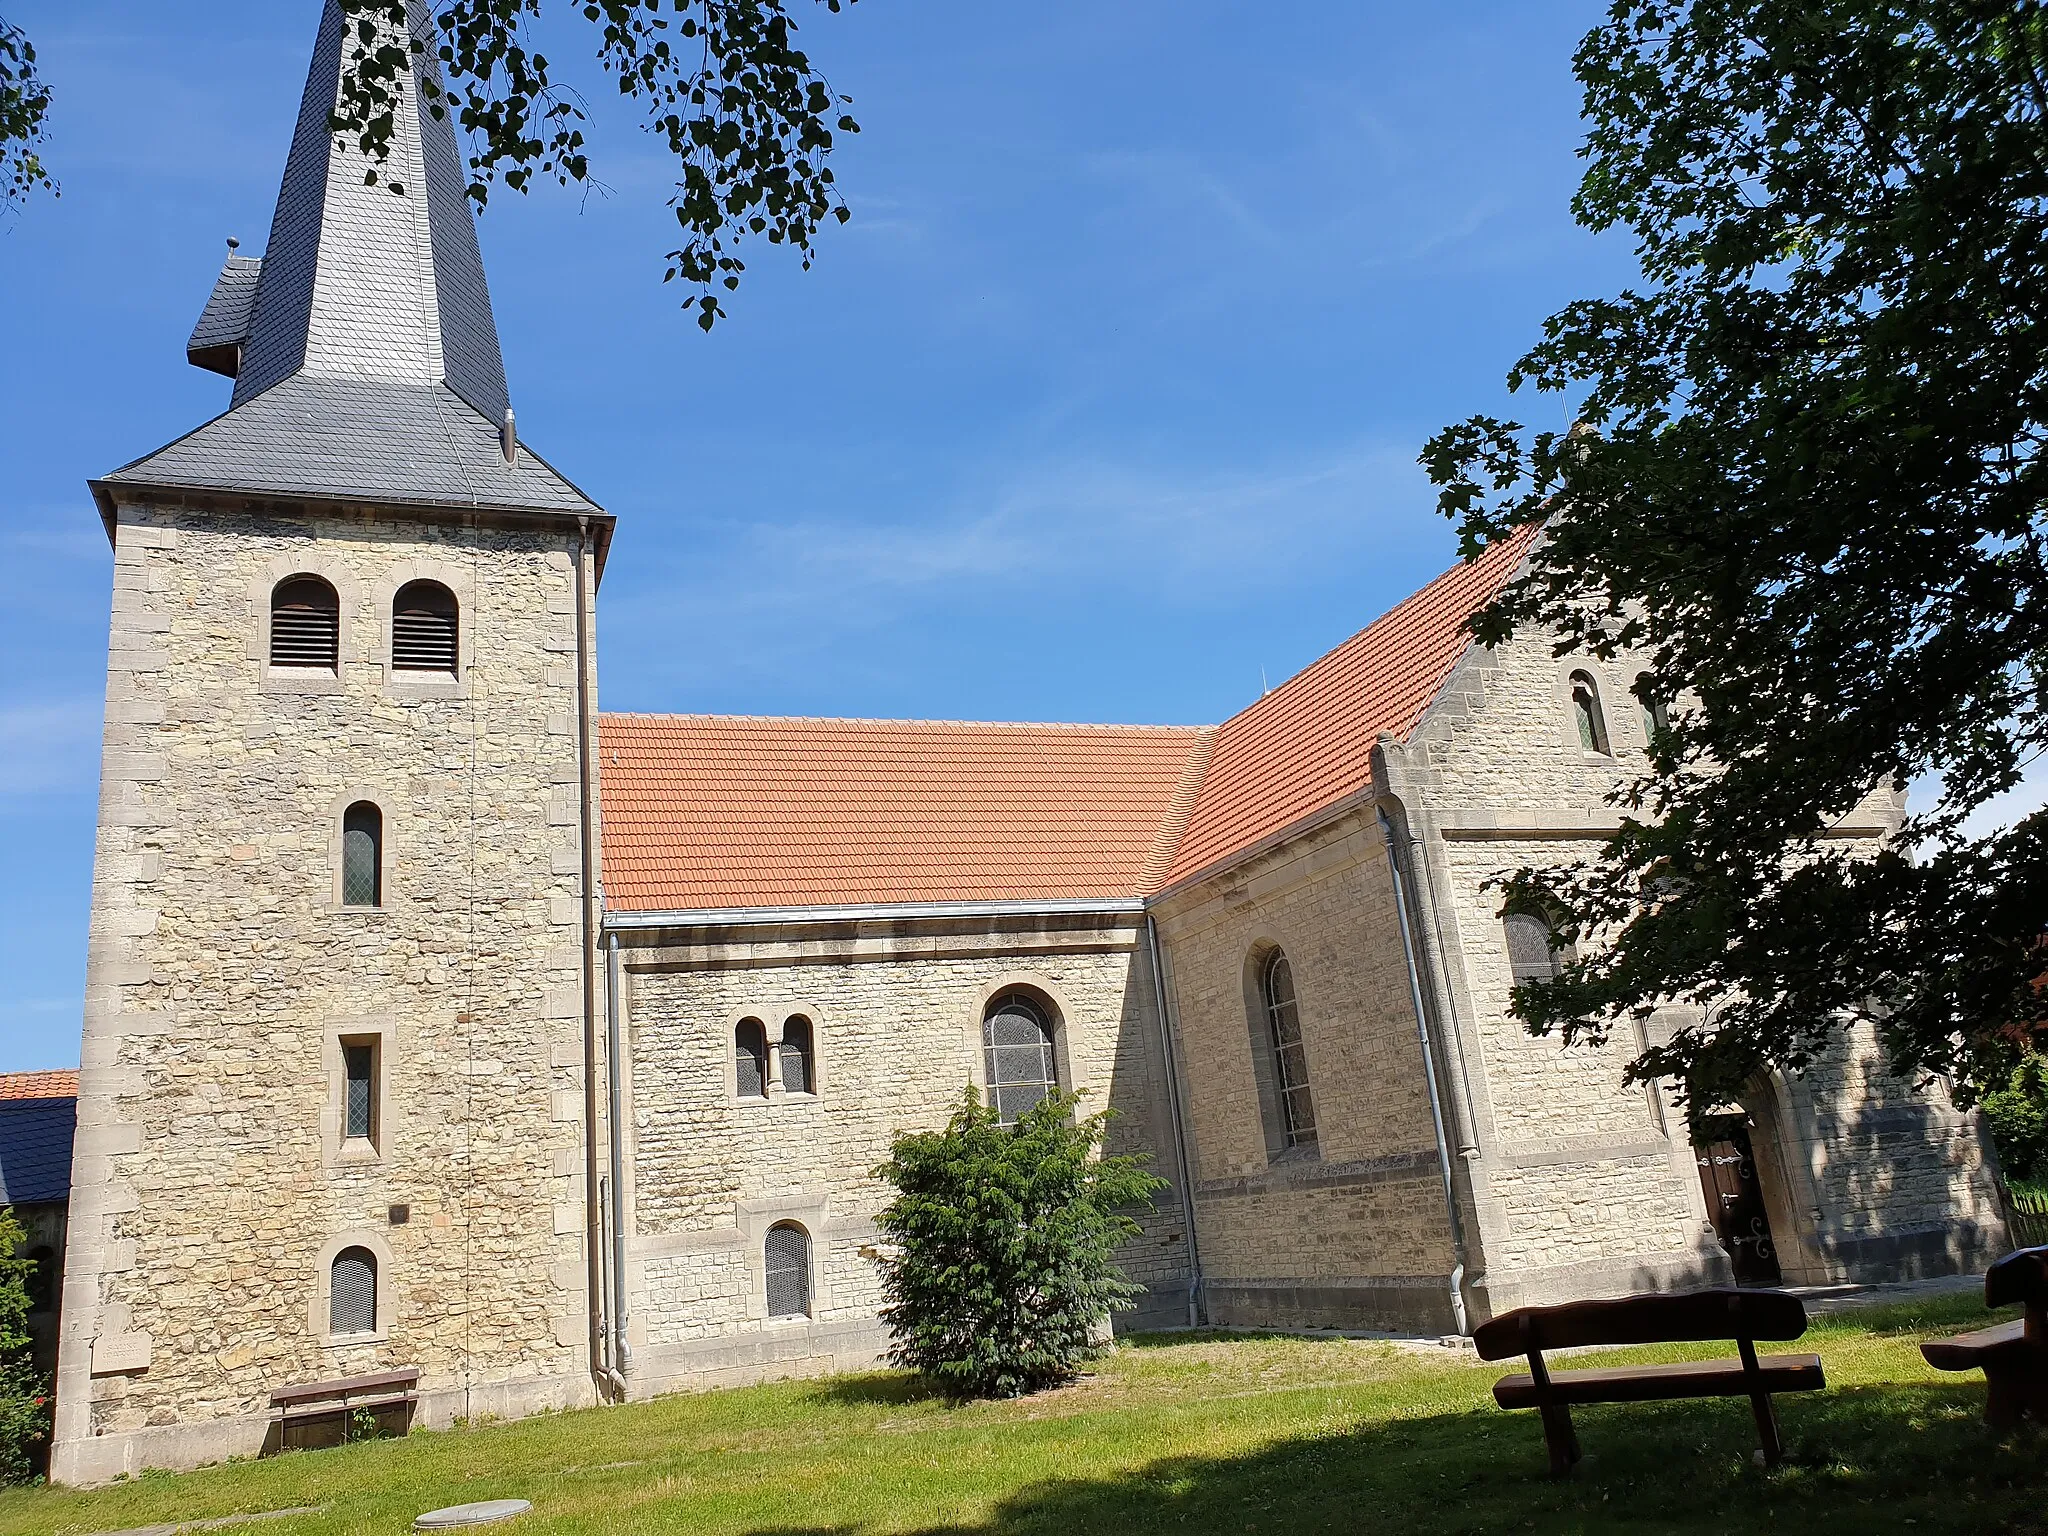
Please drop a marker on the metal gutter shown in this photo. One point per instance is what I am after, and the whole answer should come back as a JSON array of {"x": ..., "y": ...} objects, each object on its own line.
[{"x": 725, "y": 917}]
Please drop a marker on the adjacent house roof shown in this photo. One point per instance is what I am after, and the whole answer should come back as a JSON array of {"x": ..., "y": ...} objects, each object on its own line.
[
  {"x": 1308, "y": 744},
  {"x": 38, "y": 1112},
  {"x": 717, "y": 812},
  {"x": 711, "y": 811},
  {"x": 362, "y": 344}
]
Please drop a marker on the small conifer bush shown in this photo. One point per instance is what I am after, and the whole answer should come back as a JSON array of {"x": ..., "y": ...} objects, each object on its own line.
[
  {"x": 24, "y": 1395},
  {"x": 1002, "y": 1278}
]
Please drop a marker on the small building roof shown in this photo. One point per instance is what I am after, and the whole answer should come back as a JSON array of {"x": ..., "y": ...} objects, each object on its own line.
[
  {"x": 724, "y": 811},
  {"x": 38, "y": 1114}
]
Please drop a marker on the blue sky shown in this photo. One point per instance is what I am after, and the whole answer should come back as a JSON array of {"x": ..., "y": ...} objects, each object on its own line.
[{"x": 1106, "y": 401}]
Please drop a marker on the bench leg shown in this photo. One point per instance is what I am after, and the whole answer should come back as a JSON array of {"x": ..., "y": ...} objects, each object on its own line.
[
  {"x": 1560, "y": 1439},
  {"x": 2005, "y": 1398},
  {"x": 1767, "y": 1427}
]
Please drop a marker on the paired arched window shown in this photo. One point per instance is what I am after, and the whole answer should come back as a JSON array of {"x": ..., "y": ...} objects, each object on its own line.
[
  {"x": 786, "y": 1259},
  {"x": 362, "y": 856},
  {"x": 1017, "y": 1049},
  {"x": 1533, "y": 951},
  {"x": 425, "y": 631},
  {"x": 750, "y": 1059},
  {"x": 1586, "y": 715},
  {"x": 352, "y": 1292},
  {"x": 1289, "y": 1057},
  {"x": 1656, "y": 715},
  {"x": 305, "y": 624},
  {"x": 797, "y": 1056}
]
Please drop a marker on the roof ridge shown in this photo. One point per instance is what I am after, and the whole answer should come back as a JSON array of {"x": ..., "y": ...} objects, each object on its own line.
[{"x": 1006, "y": 725}]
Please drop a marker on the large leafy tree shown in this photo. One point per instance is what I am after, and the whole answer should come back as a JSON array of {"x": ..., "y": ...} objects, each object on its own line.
[
  {"x": 1808, "y": 484},
  {"x": 747, "y": 118}
]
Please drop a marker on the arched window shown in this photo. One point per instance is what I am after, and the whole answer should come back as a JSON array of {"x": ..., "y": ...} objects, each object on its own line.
[
  {"x": 362, "y": 856},
  {"x": 786, "y": 1257},
  {"x": 1533, "y": 951},
  {"x": 1592, "y": 725},
  {"x": 423, "y": 628},
  {"x": 1290, "y": 1058},
  {"x": 1656, "y": 717},
  {"x": 352, "y": 1292},
  {"x": 1016, "y": 1039},
  {"x": 750, "y": 1059},
  {"x": 305, "y": 624},
  {"x": 798, "y": 1075}
]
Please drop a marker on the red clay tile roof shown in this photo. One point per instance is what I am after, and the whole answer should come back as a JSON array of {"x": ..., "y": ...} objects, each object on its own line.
[
  {"x": 1308, "y": 744},
  {"x": 711, "y": 811},
  {"x": 735, "y": 811},
  {"x": 38, "y": 1085}
]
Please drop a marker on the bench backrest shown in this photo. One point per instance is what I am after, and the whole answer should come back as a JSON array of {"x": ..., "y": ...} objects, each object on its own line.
[
  {"x": 2022, "y": 1278},
  {"x": 1671, "y": 1318},
  {"x": 347, "y": 1386}
]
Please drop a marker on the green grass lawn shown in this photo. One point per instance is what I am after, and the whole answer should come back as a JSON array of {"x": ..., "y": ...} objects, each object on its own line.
[{"x": 1181, "y": 1433}]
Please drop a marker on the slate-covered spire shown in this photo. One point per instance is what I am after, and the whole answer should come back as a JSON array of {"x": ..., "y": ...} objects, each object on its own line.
[
  {"x": 362, "y": 345},
  {"x": 378, "y": 281}
]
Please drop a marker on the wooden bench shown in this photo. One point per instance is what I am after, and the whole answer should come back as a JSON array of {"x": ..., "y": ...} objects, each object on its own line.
[
  {"x": 2013, "y": 1356},
  {"x": 1682, "y": 1317},
  {"x": 324, "y": 1399}
]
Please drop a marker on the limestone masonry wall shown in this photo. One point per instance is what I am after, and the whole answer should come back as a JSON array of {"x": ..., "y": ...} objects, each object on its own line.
[
  {"x": 210, "y": 1186},
  {"x": 896, "y": 1011}
]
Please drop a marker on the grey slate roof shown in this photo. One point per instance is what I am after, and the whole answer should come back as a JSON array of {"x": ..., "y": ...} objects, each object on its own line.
[
  {"x": 216, "y": 341},
  {"x": 368, "y": 366},
  {"x": 372, "y": 440},
  {"x": 35, "y": 1150}
]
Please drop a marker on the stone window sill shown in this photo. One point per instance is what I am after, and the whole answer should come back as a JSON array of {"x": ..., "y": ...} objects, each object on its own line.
[
  {"x": 352, "y": 1340},
  {"x": 297, "y": 680}
]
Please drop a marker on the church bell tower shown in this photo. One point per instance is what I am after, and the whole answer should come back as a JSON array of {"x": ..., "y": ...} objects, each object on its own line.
[{"x": 332, "y": 1113}]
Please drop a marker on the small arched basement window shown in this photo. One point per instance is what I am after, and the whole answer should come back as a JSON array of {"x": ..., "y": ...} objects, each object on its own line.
[
  {"x": 750, "y": 1059},
  {"x": 305, "y": 624},
  {"x": 1016, "y": 1038},
  {"x": 786, "y": 1257},
  {"x": 1533, "y": 952},
  {"x": 1290, "y": 1056},
  {"x": 799, "y": 1073},
  {"x": 424, "y": 628},
  {"x": 352, "y": 1292},
  {"x": 1592, "y": 725},
  {"x": 362, "y": 856}
]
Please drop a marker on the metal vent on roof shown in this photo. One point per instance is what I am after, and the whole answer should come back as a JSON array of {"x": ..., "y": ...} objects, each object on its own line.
[
  {"x": 305, "y": 624},
  {"x": 353, "y": 1293},
  {"x": 423, "y": 628},
  {"x": 787, "y": 1259}
]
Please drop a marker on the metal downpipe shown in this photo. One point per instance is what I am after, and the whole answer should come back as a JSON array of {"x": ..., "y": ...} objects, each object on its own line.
[
  {"x": 622, "y": 1352},
  {"x": 593, "y": 1195},
  {"x": 1436, "y": 1108}
]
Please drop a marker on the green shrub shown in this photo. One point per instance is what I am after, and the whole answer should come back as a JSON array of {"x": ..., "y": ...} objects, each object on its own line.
[
  {"x": 24, "y": 1395},
  {"x": 1002, "y": 1276},
  {"x": 2018, "y": 1115}
]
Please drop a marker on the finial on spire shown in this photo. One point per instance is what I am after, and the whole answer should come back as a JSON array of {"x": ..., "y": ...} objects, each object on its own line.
[{"x": 234, "y": 245}]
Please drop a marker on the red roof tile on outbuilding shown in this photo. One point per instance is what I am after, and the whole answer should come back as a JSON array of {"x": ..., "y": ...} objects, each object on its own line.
[{"x": 39, "y": 1085}]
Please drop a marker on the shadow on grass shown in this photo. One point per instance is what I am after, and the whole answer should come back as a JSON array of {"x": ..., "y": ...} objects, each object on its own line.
[
  {"x": 1861, "y": 1460},
  {"x": 886, "y": 1389}
]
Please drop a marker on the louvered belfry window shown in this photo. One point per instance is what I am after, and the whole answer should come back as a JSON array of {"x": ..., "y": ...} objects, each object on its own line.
[
  {"x": 352, "y": 1292},
  {"x": 1016, "y": 1039},
  {"x": 797, "y": 1075},
  {"x": 424, "y": 628},
  {"x": 750, "y": 1059},
  {"x": 787, "y": 1258},
  {"x": 305, "y": 624},
  {"x": 1290, "y": 1055},
  {"x": 362, "y": 856}
]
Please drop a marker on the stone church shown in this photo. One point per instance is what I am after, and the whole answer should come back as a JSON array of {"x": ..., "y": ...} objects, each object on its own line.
[{"x": 438, "y": 1022}]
